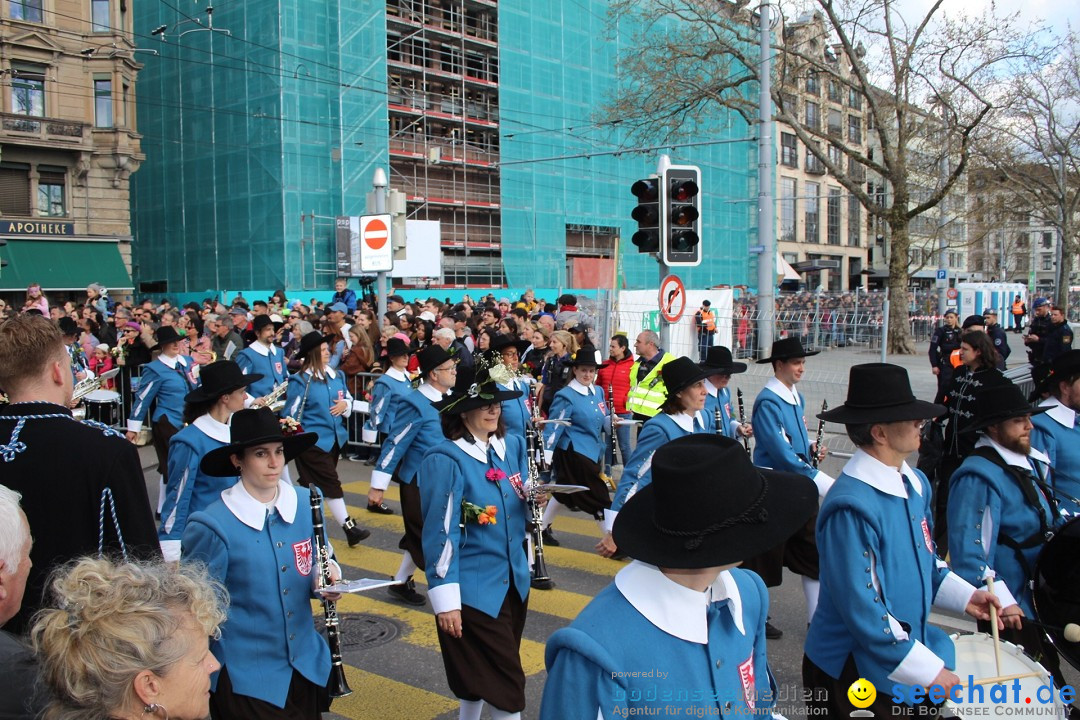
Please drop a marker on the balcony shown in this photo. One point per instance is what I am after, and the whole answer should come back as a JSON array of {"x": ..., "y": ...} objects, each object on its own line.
[
  {"x": 442, "y": 151},
  {"x": 441, "y": 106},
  {"x": 28, "y": 129},
  {"x": 814, "y": 166}
]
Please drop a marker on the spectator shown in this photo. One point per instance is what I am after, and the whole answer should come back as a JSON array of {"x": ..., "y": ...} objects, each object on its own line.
[
  {"x": 705, "y": 325},
  {"x": 101, "y": 361},
  {"x": 568, "y": 311},
  {"x": 226, "y": 342},
  {"x": 533, "y": 359},
  {"x": 88, "y": 339},
  {"x": 343, "y": 295},
  {"x": 555, "y": 373},
  {"x": 35, "y": 300},
  {"x": 97, "y": 296},
  {"x": 396, "y": 305},
  {"x": 614, "y": 379}
]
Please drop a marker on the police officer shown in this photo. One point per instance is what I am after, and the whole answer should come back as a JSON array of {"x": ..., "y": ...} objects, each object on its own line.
[
  {"x": 997, "y": 335},
  {"x": 1060, "y": 337},
  {"x": 1038, "y": 329},
  {"x": 945, "y": 340}
]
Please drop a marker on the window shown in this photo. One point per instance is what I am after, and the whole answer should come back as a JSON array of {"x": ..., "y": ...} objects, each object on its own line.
[
  {"x": 1022, "y": 263},
  {"x": 832, "y": 227},
  {"x": 836, "y": 121},
  {"x": 836, "y": 91},
  {"x": 1021, "y": 240},
  {"x": 1047, "y": 240},
  {"x": 954, "y": 260},
  {"x": 103, "y": 105},
  {"x": 789, "y": 150},
  {"x": 99, "y": 16},
  {"x": 813, "y": 84},
  {"x": 813, "y": 116},
  {"x": 835, "y": 156},
  {"x": 1047, "y": 262},
  {"x": 813, "y": 164},
  {"x": 914, "y": 256},
  {"x": 125, "y": 98},
  {"x": 14, "y": 189},
  {"x": 50, "y": 195},
  {"x": 28, "y": 89},
  {"x": 787, "y": 209},
  {"x": 854, "y": 128},
  {"x": 854, "y": 99},
  {"x": 813, "y": 209},
  {"x": 854, "y": 221},
  {"x": 29, "y": 10}
]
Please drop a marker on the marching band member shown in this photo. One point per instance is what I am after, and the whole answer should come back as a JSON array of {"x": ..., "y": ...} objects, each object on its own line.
[
  {"x": 682, "y": 607},
  {"x": 388, "y": 387},
  {"x": 783, "y": 444},
  {"x": 679, "y": 415},
  {"x": 264, "y": 358},
  {"x": 80, "y": 367},
  {"x": 207, "y": 410},
  {"x": 274, "y": 663},
  {"x": 721, "y": 366},
  {"x": 880, "y": 572},
  {"x": 515, "y": 412},
  {"x": 474, "y": 503},
  {"x": 1057, "y": 431},
  {"x": 417, "y": 430},
  {"x": 319, "y": 401},
  {"x": 575, "y": 451}
]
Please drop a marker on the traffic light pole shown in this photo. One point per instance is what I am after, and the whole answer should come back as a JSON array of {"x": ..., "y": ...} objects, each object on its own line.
[
  {"x": 379, "y": 185},
  {"x": 766, "y": 279},
  {"x": 665, "y": 327}
]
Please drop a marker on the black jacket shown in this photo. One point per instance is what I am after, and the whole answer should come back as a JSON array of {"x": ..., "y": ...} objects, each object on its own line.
[{"x": 944, "y": 340}]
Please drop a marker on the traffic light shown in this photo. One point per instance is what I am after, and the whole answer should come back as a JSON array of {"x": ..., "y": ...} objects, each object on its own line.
[
  {"x": 647, "y": 214},
  {"x": 682, "y": 212}
]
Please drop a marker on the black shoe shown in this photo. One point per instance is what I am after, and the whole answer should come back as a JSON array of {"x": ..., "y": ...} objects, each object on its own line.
[
  {"x": 370, "y": 461},
  {"x": 354, "y": 533},
  {"x": 379, "y": 508},
  {"x": 406, "y": 593},
  {"x": 538, "y": 584},
  {"x": 618, "y": 555},
  {"x": 772, "y": 632},
  {"x": 549, "y": 538}
]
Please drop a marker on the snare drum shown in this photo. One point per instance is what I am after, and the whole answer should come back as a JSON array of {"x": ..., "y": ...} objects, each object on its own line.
[
  {"x": 975, "y": 660},
  {"x": 103, "y": 406}
]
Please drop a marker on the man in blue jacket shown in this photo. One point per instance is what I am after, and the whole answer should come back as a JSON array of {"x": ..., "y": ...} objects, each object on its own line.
[{"x": 880, "y": 572}]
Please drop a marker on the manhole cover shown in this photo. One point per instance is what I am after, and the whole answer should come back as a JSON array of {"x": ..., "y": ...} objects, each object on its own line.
[{"x": 359, "y": 630}]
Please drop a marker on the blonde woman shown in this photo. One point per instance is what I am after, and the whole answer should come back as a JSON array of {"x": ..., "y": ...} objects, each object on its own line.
[{"x": 555, "y": 372}]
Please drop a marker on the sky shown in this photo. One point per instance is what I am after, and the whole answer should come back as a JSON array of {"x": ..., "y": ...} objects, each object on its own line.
[{"x": 1057, "y": 15}]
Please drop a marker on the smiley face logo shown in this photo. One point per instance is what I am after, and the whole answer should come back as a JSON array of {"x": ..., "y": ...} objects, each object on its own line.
[{"x": 862, "y": 693}]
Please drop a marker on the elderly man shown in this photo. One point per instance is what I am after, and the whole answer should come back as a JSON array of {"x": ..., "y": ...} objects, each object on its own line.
[
  {"x": 647, "y": 391},
  {"x": 226, "y": 342},
  {"x": 447, "y": 339}
]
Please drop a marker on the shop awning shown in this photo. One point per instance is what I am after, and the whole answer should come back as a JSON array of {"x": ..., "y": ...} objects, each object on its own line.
[{"x": 62, "y": 264}]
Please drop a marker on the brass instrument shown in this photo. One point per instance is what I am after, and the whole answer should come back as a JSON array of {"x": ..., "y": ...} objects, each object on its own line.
[
  {"x": 742, "y": 418},
  {"x": 89, "y": 385},
  {"x": 540, "y": 578},
  {"x": 273, "y": 398},
  {"x": 337, "y": 685},
  {"x": 818, "y": 457}
]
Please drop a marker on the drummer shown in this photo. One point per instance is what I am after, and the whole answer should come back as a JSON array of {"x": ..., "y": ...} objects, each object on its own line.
[
  {"x": 264, "y": 358},
  {"x": 879, "y": 570}
]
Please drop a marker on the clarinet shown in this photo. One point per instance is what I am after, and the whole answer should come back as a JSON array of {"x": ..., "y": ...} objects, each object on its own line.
[
  {"x": 611, "y": 408},
  {"x": 539, "y": 569},
  {"x": 535, "y": 450},
  {"x": 719, "y": 420},
  {"x": 820, "y": 433},
  {"x": 337, "y": 685},
  {"x": 742, "y": 419}
]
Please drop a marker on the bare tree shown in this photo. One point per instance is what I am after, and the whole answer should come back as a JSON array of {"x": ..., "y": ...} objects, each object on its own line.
[
  {"x": 923, "y": 85},
  {"x": 1033, "y": 141}
]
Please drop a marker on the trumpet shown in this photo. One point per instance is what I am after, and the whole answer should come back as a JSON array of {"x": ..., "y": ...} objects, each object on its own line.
[
  {"x": 89, "y": 385},
  {"x": 273, "y": 398}
]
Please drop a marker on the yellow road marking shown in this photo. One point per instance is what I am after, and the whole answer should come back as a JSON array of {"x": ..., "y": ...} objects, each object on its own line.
[{"x": 377, "y": 696}]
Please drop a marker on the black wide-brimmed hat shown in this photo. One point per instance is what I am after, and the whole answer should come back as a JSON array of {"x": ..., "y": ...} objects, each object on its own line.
[
  {"x": 311, "y": 341},
  {"x": 718, "y": 359},
  {"x": 219, "y": 378},
  {"x": 503, "y": 341},
  {"x": 999, "y": 401},
  {"x": 248, "y": 428},
  {"x": 432, "y": 357},
  {"x": 396, "y": 347},
  {"x": 681, "y": 373},
  {"x": 166, "y": 334},
  {"x": 1065, "y": 365},
  {"x": 262, "y": 321},
  {"x": 67, "y": 326},
  {"x": 787, "y": 349},
  {"x": 472, "y": 389},
  {"x": 880, "y": 393},
  {"x": 707, "y": 505},
  {"x": 587, "y": 356}
]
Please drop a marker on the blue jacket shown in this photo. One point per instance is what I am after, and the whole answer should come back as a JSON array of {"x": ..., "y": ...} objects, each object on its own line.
[
  {"x": 780, "y": 432},
  {"x": 269, "y": 566},
  {"x": 389, "y": 387},
  {"x": 168, "y": 387},
  {"x": 515, "y": 412},
  {"x": 880, "y": 574},
  {"x": 346, "y": 296},
  {"x": 1057, "y": 434},
  {"x": 620, "y": 660},
  {"x": 588, "y": 414},
  {"x": 1001, "y": 342},
  {"x": 316, "y": 417},
  {"x": 721, "y": 400},
  {"x": 271, "y": 365},
  {"x": 986, "y": 502},
  {"x": 657, "y": 431},
  {"x": 472, "y": 564},
  {"x": 189, "y": 490},
  {"x": 418, "y": 429}
]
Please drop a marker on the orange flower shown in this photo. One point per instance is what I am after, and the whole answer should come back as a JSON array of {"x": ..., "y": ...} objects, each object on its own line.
[
  {"x": 483, "y": 519},
  {"x": 491, "y": 510}
]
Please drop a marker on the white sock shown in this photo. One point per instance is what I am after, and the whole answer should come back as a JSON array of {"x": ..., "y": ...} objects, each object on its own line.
[
  {"x": 497, "y": 714},
  {"x": 408, "y": 567},
  {"x": 470, "y": 709},
  {"x": 337, "y": 509},
  {"x": 552, "y": 509},
  {"x": 810, "y": 588},
  {"x": 160, "y": 493}
]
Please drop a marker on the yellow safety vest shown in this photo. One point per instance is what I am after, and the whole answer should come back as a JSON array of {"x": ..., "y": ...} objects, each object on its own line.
[{"x": 646, "y": 397}]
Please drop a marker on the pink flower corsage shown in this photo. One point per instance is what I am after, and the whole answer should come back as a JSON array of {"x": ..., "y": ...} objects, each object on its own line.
[{"x": 495, "y": 475}]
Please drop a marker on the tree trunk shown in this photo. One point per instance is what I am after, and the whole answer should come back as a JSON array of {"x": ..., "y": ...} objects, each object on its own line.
[
  {"x": 900, "y": 341},
  {"x": 1068, "y": 248}
]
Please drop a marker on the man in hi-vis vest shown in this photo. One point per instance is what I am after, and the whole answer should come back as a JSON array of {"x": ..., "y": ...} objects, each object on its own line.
[
  {"x": 647, "y": 391},
  {"x": 705, "y": 324}
]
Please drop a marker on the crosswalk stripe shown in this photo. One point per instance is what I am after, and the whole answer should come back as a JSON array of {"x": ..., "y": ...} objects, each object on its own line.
[
  {"x": 378, "y": 696},
  {"x": 360, "y": 487}
]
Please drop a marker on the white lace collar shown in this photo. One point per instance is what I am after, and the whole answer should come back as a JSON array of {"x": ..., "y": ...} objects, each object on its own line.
[
  {"x": 252, "y": 512},
  {"x": 866, "y": 468},
  {"x": 788, "y": 395},
  {"x": 674, "y": 608},
  {"x": 478, "y": 450},
  {"x": 212, "y": 428}
]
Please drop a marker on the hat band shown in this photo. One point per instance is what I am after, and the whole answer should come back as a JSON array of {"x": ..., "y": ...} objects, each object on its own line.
[
  {"x": 874, "y": 406},
  {"x": 755, "y": 514}
]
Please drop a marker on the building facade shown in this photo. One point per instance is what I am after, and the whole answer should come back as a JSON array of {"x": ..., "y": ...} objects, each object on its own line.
[{"x": 68, "y": 143}]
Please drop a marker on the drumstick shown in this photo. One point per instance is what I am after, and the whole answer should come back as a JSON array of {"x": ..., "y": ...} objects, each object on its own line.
[
  {"x": 994, "y": 626},
  {"x": 1005, "y": 678}
]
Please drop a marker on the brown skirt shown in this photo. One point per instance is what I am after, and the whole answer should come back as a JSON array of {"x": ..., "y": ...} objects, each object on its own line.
[
  {"x": 305, "y": 701},
  {"x": 571, "y": 468},
  {"x": 798, "y": 554},
  {"x": 485, "y": 662},
  {"x": 827, "y": 696},
  {"x": 319, "y": 468},
  {"x": 413, "y": 519},
  {"x": 161, "y": 433}
]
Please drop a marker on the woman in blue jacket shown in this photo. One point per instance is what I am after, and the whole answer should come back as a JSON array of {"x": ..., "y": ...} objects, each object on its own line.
[
  {"x": 473, "y": 499},
  {"x": 319, "y": 401},
  {"x": 207, "y": 410},
  {"x": 387, "y": 390},
  {"x": 274, "y": 663}
]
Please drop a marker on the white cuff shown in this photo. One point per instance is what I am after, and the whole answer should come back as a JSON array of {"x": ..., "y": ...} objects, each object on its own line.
[
  {"x": 170, "y": 550},
  {"x": 134, "y": 425},
  {"x": 445, "y": 598},
  {"x": 1001, "y": 590},
  {"x": 360, "y": 406},
  {"x": 734, "y": 428},
  {"x": 549, "y": 456},
  {"x": 823, "y": 482},
  {"x": 609, "y": 518},
  {"x": 368, "y": 435},
  {"x": 919, "y": 667},
  {"x": 954, "y": 593},
  {"x": 380, "y": 480}
]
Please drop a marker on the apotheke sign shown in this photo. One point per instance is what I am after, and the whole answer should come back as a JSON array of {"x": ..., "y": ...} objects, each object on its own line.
[{"x": 36, "y": 227}]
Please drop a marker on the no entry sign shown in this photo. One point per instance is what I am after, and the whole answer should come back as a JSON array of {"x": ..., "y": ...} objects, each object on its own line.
[
  {"x": 672, "y": 298},
  {"x": 376, "y": 252}
]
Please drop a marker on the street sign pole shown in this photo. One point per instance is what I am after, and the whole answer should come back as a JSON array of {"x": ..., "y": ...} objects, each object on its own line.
[
  {"x": 379, "y": 185},
  {"x": 665, "y": 326}
]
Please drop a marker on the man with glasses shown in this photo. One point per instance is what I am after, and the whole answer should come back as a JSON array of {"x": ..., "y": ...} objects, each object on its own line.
[{"x": 416, "y": 429}]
